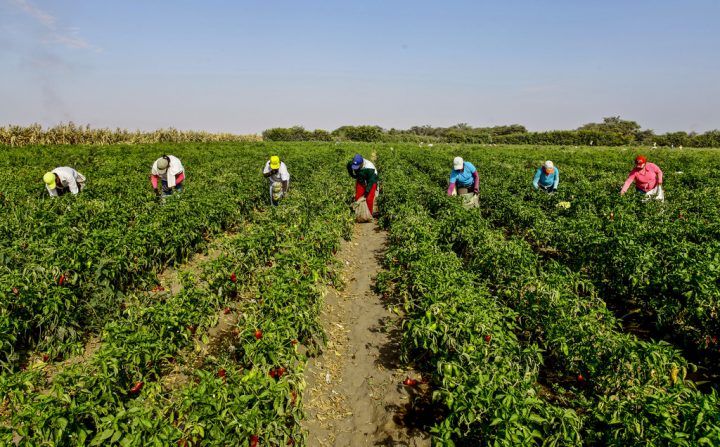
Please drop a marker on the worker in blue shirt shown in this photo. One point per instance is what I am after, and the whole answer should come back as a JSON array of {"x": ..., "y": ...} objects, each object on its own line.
[
  {"x": 463, "y": 178},
  {"x": 547, "y": 177}
]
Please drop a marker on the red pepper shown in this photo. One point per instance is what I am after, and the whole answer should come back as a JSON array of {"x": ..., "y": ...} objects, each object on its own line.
[
  {"x": 580, "y": 378},
  {"x": 138, "y": 386},
  {"x": 221, "y": 373},
  {"x": 254, "y": 440},
  {"x": 16, "y": 291},
  {"x": 488, "y": 338},
  {"x": 409, "y": 382},
  {"x": 233, "y": 277},
  {"x": 226, "y": 310},
  {"x": 45, "y": 358},
  {"x": 61, "y": 280},
  {"x": 258, "y": 334}
]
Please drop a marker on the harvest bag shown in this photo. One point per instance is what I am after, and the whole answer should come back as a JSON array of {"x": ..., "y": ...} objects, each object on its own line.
[
  {"x": 362, "y": 212},
  {"x": 656, "y": 193}
]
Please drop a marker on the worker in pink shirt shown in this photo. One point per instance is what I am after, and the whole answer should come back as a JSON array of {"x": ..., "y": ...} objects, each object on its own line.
[{"x": 648, "y": 179}]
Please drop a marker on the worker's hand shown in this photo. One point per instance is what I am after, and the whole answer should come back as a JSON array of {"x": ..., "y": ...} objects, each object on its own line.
[
  {"x": 476, "y": 190},
  {"x": 273, "y": 171}
]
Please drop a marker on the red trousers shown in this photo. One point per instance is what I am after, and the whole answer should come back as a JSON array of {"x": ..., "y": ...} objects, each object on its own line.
[{"x": 360, "y": 191}]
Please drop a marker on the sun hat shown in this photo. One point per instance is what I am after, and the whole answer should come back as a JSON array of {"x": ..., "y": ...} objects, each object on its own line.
[
  {"x": 640, "y": 159},
  {"x": 49, "y": 179},
  {"x": 274, "y": 162},
  {"x": 162, "y": 164},
  {"x": 357, "y": 161},
  {"x": 548, "y": 165},
  {"x": 458, "y": 163}
]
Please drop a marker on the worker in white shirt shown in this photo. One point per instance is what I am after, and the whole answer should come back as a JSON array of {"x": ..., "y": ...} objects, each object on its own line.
[
  {"x": 277, "y": 174},
  {"x": 62, "y": 180},
  {"x": 169, "y": 170}
]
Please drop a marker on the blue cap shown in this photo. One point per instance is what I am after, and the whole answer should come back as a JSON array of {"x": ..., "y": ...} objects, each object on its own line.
[{"x": 357, "y": 161}]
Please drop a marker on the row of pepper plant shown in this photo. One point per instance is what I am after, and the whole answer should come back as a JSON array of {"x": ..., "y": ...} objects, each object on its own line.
[
  {"x": 660, "y": 258},
  {"x": 144, "y": 386},
  {"x": 66, "y": 263},
  {"x": 629, "y": 391}
]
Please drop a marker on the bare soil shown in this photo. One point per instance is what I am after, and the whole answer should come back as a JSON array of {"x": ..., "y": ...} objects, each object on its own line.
[{"x": 354, "y": 394}]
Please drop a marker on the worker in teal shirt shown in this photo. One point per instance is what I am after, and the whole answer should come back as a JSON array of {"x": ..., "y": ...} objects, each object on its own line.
[
  {"x": 547, "y": 177},
  {"x": 463, "y": 178}
]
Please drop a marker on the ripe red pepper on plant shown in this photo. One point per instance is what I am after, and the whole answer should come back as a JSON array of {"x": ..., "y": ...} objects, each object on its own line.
[{"x": 137, "y": 387}]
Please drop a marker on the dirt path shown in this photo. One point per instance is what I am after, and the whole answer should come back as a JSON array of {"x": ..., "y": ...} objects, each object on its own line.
[{"x": 354, "y": 394}]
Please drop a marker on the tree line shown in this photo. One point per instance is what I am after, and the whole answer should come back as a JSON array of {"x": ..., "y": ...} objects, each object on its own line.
[{"x": 612, "y": 131}]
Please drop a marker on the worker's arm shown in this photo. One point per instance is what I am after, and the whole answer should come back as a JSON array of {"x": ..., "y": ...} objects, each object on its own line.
[
  {"x": 52, "y": 192},
  {"x": 72, "y": 184},
  {"x": 557, "y": 178},
  {"x": 154, "y": 181},
  {"x": 659, "y": 175},
  {"x": 350, "y": 170},
  {"x": 267, "y": 172},
  {"x": 451, "y": 184},
  {"x": 476, "y": 186},
  {"x": 628, "y": 182},
  {"x": 536, "y": 179},
  {"x": 371, "y": 179},
  {"x": 451, "y": 188},
  {"x": 285, "y": 185}
]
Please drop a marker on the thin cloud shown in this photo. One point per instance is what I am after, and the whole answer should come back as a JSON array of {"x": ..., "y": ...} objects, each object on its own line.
[
  {"x": 67, "y": 37},
  {"x": 36, "y": 13}
]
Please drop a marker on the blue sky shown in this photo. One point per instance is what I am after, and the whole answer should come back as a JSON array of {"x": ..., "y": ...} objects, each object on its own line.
[{"x": 244, "y": 66}]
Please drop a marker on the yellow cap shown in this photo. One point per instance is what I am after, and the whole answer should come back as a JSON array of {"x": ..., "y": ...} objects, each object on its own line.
[
  {"x": 274, "y": 162},
  {"x": 49, "y": 179}
]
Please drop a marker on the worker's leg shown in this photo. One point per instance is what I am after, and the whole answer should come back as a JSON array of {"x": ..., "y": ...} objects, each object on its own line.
[
  {"x": 359, "y": 190},
  {"x": 371, "y": 197},
  {"x": 272, "y": 202},
  {"x": 165, "y": 189}
]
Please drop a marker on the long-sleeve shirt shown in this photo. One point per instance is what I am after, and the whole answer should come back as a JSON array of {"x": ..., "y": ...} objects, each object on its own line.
[
  {"x": 465, "y": 178},
  {"x": 175, "y": 168},
  {"x": 69, "y": 178},
  {"x": 366, "y": 175},
  {"x": 646, "y": 178},
  {"x": 282, "y": 174},
  {"x": 546, "y": 180}
]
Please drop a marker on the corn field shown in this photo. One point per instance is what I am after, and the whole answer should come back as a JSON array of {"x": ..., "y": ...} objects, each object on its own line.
[{"x": 71, "y": 134}]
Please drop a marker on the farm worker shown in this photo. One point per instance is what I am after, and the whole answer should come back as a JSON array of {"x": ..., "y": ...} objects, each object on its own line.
[
  {"x": 463, "y": 178},
  {"x": 169, "y": 170},
  {"x": 366, "y": 179},
  {"x": 648, "y": 179},
  {"x": 63, "y": 179},
  {"x": 547, "y": 177},
  {"x": 277, "y": 173}
]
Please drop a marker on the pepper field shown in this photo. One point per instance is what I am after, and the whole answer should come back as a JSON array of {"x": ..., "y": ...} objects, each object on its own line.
[{"x": 536, "y": 322}]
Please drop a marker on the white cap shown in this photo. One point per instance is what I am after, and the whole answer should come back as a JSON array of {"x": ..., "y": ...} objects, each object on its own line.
[
  {"x": 458, "y": 163},
  {"x": 548, "y": 165},
  {"x": 162, "y": 164}
]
